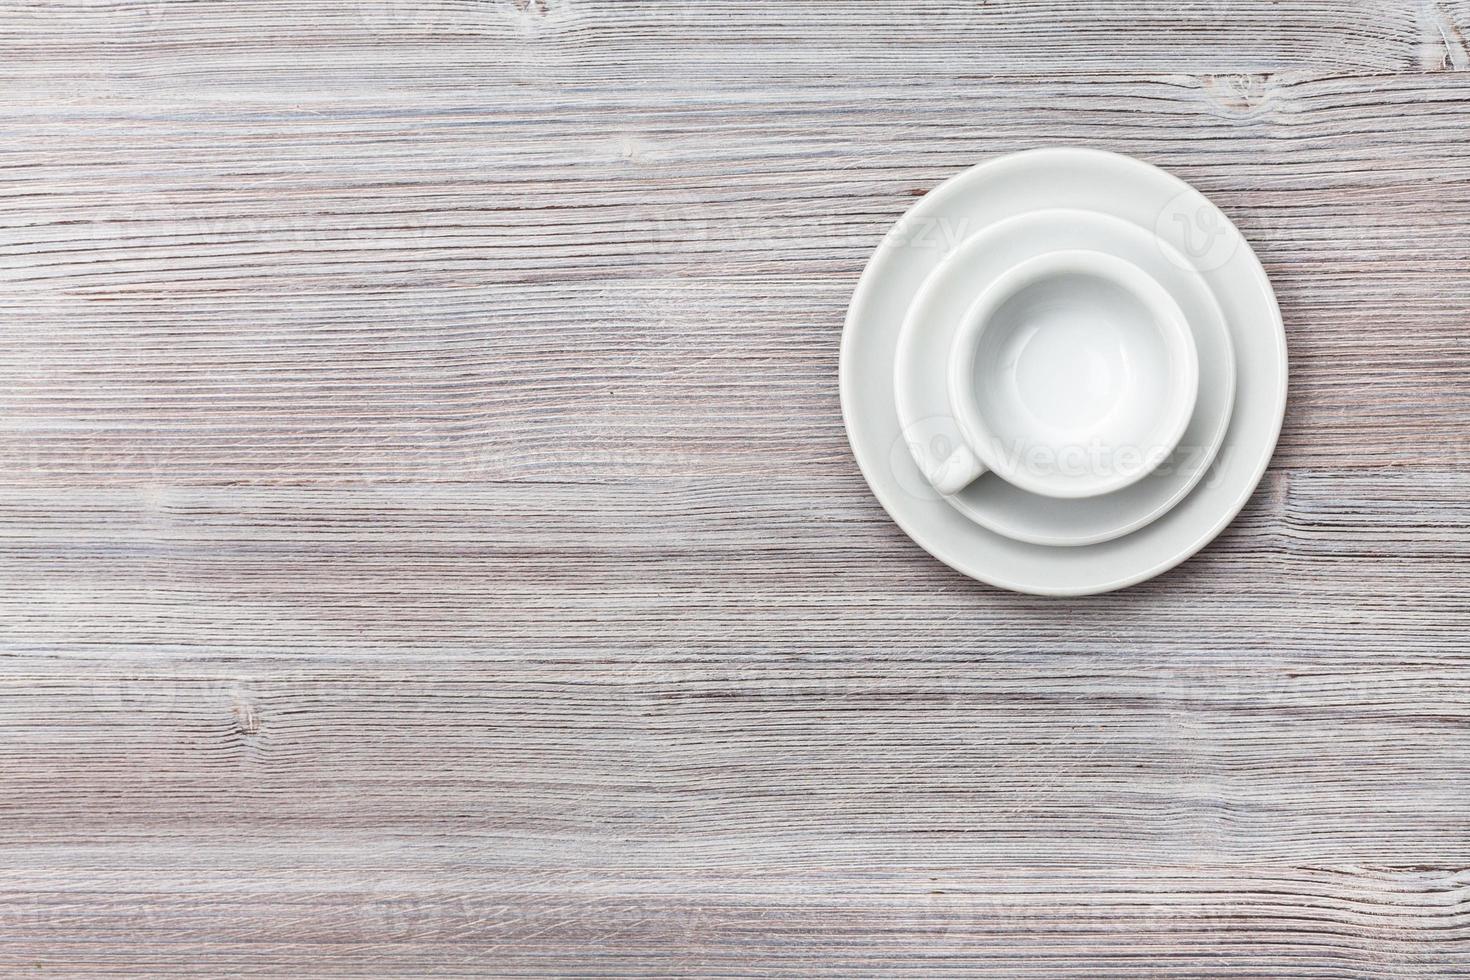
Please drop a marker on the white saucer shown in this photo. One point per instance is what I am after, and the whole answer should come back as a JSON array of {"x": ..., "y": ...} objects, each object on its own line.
[
  {"x": 923, "y": 398},
  {"x": 1087, "y": 180}
]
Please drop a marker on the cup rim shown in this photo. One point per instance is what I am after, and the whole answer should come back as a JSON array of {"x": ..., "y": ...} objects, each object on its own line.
[{"x": 965, "y": 348}]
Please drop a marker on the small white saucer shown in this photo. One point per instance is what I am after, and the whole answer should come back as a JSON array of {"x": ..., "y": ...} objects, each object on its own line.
[
  {"x": 973, "y": 201},
  {"x": 923, "y": 398}
]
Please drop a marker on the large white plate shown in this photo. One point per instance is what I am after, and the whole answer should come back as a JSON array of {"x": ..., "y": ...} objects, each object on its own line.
[{"x": 966, "y": 205}]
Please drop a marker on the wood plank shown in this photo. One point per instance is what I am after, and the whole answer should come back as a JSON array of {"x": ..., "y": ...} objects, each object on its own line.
[
  {"x": 335, "y": 48},
  {"x": 688, "y": 565},
  {"x": 588, "y": 382},
  {"x": 1014, "y": 922}
]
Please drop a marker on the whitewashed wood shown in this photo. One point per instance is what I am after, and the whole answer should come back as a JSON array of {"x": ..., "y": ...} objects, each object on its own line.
[{"x": 429, "y": 545}]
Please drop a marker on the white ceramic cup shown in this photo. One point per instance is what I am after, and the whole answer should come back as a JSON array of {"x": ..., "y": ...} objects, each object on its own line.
[{"x": 1072, "y": 375}]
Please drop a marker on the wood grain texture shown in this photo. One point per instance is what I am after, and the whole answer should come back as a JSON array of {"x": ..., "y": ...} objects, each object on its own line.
[{"x": 429, "y": 545}]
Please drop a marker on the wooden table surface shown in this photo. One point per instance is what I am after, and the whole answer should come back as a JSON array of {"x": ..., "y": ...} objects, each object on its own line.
[{"x": 430, "y": 545}]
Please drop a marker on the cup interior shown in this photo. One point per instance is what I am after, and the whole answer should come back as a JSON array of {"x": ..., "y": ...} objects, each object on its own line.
[{"x": 1080, "y": 374}]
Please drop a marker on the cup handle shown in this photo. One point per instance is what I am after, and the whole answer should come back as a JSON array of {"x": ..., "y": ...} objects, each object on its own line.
[{"x": 958, "y": 470}]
